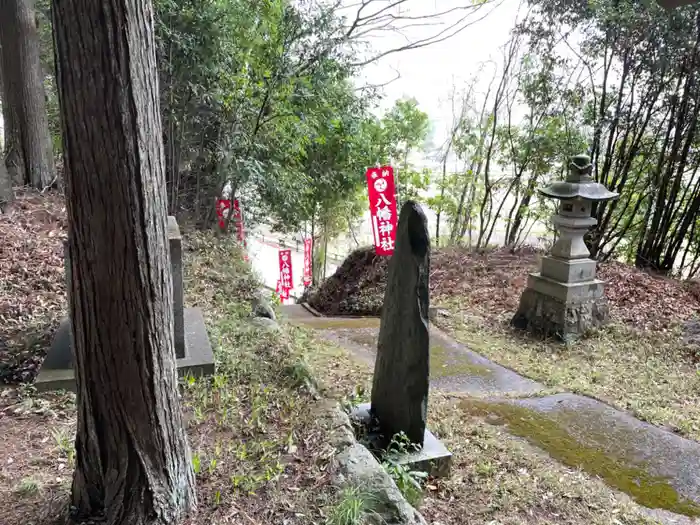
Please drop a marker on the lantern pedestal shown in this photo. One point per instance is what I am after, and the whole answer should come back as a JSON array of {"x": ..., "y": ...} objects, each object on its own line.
[
  {"x": 564, "y": 310},
  {"x": 565, "y": 299}
]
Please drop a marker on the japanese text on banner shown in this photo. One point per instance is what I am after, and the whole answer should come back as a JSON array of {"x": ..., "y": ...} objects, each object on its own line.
[
  {"x": 285, "y": 259},
  {"x": 382, "y": 205},
  {"x": 308, "y": 254}
]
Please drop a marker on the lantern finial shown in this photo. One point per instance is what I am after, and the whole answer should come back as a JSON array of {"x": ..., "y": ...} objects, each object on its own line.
[{"x": 580, "y": 169}]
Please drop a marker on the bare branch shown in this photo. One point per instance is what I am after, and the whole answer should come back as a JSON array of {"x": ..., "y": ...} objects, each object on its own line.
[{"x": 373, "y": 17}]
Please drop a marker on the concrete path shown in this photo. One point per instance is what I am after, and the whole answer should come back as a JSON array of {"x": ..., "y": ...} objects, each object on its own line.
[{"x": 659, "y": 469}]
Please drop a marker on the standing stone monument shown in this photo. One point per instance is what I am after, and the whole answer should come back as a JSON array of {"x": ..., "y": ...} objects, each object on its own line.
[
  {"x": 192, "y": 347},
  {"x": 401, "y": 374},
  {"x": 565, "y": 299},
  {"x": 401, "y": 371}
]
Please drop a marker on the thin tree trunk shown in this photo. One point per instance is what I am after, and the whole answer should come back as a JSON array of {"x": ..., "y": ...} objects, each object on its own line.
[
  {"x": 522, "y": 209},
  {"x": 6, "y": 193},
  {"x": 13, "y": 156},
  {"x": 132, "y": 459},
  {"x": 30, "y": 139},
  {"x": 6, "y": 181}
]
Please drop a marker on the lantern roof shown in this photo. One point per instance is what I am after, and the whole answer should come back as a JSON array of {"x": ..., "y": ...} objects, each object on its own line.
[{"x": 579, "y": 183}]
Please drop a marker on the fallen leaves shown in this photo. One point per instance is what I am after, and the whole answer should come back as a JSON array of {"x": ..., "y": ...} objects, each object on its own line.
[{"x": 32, "y": 289}]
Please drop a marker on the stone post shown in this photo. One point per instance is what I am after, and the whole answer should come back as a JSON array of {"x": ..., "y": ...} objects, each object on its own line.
[
  {"x": 67, "y": 269},
  {"x": 175, "y": 241},
  {"x": 401, "y": 372}
]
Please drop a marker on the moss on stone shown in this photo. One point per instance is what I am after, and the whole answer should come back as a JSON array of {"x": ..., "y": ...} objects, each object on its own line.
[
  {"x": 335, "y": 323},
  {"x": 547, "y": 434},
  {"x": 444, "y": 363}
]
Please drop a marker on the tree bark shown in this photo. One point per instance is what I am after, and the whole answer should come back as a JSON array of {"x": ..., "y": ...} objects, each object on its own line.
[
  {"x": 28, "y": 146},
  {"x": 132, "y": 459},
  {"x": 13, "y": 156},
  {"x": 6, "y": 181},
  {"x": 6, "y": 193}
]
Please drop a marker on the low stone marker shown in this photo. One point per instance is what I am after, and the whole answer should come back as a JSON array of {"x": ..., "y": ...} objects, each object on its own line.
[
  {"x": 192, "y": 347},
  {"x": 401, "y": 373}
]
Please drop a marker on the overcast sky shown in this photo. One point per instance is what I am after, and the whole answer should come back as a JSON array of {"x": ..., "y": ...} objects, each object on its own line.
[{"x": 428, "y": 74}]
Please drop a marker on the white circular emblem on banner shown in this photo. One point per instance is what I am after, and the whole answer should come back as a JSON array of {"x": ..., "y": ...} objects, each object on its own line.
[{"x": 380, "y": 185}]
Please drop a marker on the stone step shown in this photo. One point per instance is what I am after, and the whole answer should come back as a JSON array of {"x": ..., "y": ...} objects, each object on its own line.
[{"x": 657, "y": 468}]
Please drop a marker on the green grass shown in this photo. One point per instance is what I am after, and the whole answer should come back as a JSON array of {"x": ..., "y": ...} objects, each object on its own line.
[
  {"x": 353, "y": 506},
  {"x": 28, "y": 487}
]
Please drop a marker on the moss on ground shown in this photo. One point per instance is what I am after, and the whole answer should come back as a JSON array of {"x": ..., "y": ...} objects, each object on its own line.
[
  {"x": 548, "y": 434},
  {"x": 446, "y": 363},
  {"x": 331, "y": 323}
]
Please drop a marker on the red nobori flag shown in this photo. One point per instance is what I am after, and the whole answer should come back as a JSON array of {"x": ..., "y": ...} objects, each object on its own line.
[
  {"x": 222, "y": 207},
  {"x": 308, "y": 247},
  {"x": 285, "y": 257},
  {"x": 382, "y": 206},
  {"x": 238, "y": 218}
]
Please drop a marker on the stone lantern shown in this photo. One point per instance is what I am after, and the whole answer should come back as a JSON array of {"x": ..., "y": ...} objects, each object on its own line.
[{"x": 565, "y": 299}]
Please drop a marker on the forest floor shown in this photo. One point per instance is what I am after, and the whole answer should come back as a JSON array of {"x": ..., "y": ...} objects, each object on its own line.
[
  {"x": 645, "y": 361},
  {"x": 259, "y": 452},
  {"x": 262, "y": 457}
]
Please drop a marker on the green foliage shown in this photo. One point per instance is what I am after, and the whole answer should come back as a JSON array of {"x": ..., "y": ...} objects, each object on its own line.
[
  {"x": 634, "y": 102},
  {"x": 256, "y": 95},
  {"x": 405, "y": 129},
  {"x": 408, "y": 481}
]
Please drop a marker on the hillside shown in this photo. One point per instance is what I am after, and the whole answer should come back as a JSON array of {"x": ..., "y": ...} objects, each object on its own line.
[{"x": 492, "y": 283}]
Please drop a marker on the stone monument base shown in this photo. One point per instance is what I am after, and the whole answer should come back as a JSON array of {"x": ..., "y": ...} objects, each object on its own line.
[
  {"x": 56, "y": 373},
  {"x": 565, "y": 311},
  {"x": 433, "y": 458}
]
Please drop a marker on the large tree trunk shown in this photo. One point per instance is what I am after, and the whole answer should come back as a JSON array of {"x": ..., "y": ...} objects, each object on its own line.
[
  {"x": 13, "y": 157},
  {"x": 132, "y": 458},
  {"x": 28, "y": 146}
]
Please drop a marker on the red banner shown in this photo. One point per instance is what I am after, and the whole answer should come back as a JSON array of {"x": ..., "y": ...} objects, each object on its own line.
[
  {"x": 222, "y": 207},
  {"x": 238, "y": 219},
  {"x": 283, "y": 294},
  {"x": 286, "y": 280},
  {"x": 308, "y": 254},
  {"x": 382, "y": 206}
]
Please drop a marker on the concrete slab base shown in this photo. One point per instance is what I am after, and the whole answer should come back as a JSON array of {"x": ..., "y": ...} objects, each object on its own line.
[
  {"x": 433, "y": 457},
  {"x": 198, "y": 360}
]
